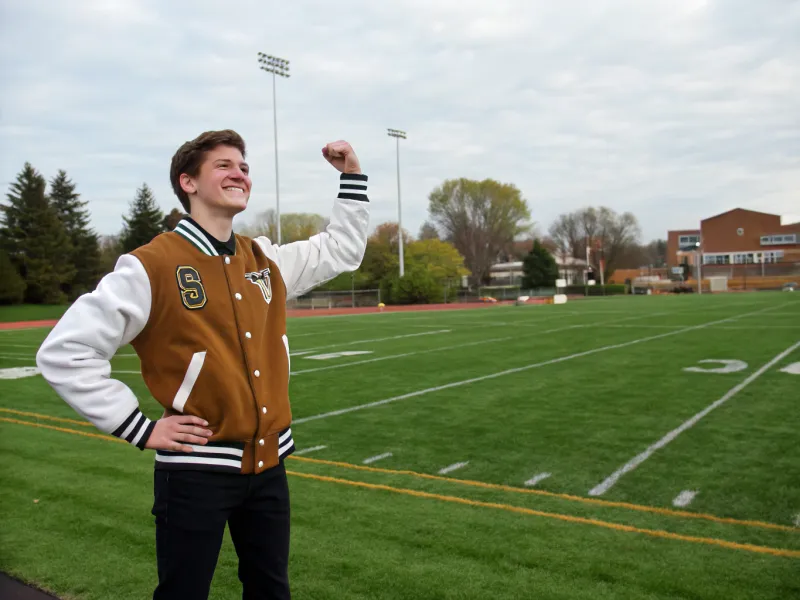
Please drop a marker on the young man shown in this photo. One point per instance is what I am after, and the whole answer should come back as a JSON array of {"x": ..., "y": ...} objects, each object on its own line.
[{"x": 205, "y": 311}]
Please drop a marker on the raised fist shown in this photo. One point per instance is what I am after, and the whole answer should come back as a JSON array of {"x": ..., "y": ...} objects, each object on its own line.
[{"x": 342, "y": 156}]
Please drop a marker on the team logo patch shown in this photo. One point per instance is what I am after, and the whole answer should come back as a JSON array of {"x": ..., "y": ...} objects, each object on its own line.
[
  {"x": 193, "y": 294},
  {"x": 261, "y": 279}
]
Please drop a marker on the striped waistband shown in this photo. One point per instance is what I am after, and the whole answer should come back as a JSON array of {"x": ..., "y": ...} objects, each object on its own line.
[
  {"x": 218, "y": 456},
  {"x": 214, "y": 456}
]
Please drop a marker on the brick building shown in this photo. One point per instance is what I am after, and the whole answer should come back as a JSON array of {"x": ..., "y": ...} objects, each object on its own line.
[{"x": 736, "y": 237}]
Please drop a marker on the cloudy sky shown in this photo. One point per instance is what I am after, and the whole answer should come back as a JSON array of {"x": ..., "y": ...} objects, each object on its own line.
[{"x": 672, "y": 109}]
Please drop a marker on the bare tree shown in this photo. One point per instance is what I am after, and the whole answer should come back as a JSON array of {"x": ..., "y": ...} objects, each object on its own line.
[
  {"x": 611, "y": 236},
  {"x": 294, "y": 226},
  {"x": 480, "y": 218}
]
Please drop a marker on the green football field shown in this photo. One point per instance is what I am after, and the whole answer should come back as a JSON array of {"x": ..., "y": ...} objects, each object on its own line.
[{"x": 625, "y": 448}]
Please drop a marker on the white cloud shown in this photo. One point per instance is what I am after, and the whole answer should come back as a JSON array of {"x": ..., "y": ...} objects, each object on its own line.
[{"x": 674, "y": 110}]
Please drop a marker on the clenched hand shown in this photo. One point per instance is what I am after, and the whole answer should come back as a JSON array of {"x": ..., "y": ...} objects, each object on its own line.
[{"x": 342, "y": 156}]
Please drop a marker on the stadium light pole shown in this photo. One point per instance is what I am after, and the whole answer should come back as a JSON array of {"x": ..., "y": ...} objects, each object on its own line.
[
  {"x": 280, "y": 67},
  {"x": 397, "y": 134}
]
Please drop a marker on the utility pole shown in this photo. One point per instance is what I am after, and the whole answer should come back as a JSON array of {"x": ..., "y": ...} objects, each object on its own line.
[{"x": 397, "y": 134}]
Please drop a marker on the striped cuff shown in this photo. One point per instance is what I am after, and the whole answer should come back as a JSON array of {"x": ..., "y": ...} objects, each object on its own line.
[
  {"x": 353, "y": 187},
  {"x": 285, "y": 443},
  {"x": 136, "y": 429}
]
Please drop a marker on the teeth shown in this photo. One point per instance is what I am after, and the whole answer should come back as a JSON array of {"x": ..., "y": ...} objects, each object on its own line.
[{"x": 234, "y": 189}]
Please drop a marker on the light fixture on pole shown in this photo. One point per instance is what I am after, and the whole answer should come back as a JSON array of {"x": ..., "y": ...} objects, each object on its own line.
[
  {"x": 276, "y": 66},
  {"x": 397, "y": 134}
]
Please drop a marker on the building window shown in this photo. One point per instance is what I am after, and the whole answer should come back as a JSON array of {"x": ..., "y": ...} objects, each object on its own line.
[
  {"x": 688, "y": 240},
  {"x": 773, "y": 257},
  {"x": 776, "y": 240},
  {"x": 717, "y": 259},
  {"x": 744, "y": 259}
]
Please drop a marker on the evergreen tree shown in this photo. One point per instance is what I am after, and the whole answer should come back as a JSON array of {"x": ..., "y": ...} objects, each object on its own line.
[
  {"x": 539, "y": 268},
  {"x": 35, "y": 239},
  {"x": 144, "y": 222},
  {"x": 12, "y": 286},
  {"x": 85, "y": 255}
]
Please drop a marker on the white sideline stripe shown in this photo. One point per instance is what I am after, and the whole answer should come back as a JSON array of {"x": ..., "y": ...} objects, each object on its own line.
[
  {"x": 684, "y": 498},
  {"x": 612, "y": 479},
  {"x": 453, "y": 467},
  {"x": 383, "y": 339},
  {"x": 343, "y": 411},
  {"x": 372, "y": 459},
  {"x": 128, "y": 372},
  {"x": 537, "y": 478},
  {"x": 20, "y": 357},
  {"x": 307, "y": 450}
]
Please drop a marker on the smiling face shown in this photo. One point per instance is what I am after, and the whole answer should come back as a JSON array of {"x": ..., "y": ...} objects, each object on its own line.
[{"x": 222, "y": 184}]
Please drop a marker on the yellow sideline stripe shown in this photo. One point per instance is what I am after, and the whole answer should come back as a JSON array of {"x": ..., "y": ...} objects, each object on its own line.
[
  {"x": 596, "y": 501},
  {"x": 48, "y": 417},
  {"x": 492, "y": 486},
  {"x": 108, "y": 438},
  {"x": 569, "y": 518}
]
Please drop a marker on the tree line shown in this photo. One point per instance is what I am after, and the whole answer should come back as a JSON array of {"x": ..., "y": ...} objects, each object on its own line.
[{"x": 50, "y": 254}]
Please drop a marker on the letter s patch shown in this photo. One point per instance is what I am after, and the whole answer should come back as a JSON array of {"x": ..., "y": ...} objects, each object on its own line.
[{"x": 193, "y": 294}]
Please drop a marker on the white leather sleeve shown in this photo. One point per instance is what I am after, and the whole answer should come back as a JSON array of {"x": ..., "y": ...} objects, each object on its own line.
[
  {"x": 75, "y": 357},
  {"x": 339, "y": 249}
]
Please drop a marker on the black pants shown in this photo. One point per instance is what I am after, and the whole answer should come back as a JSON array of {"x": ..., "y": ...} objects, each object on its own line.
[{"x": 191, "y": 510}]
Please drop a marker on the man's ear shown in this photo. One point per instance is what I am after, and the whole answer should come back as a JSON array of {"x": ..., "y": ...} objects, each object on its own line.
[{"x": 187, "y": 184}]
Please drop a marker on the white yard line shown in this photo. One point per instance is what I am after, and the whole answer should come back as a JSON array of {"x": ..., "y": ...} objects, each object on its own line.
[
  {"x": 4, "y": 345},
  {"x": 684, "y": 498},
  {"x": 463, "y": 382},
  {"x": 392, "y": 356},
  {"x": 725, "y": 327},
  {"x": 17, "y": 357},
  {"x": 443, "y": 348},
  {"x": 637, "y": 460},
  {"x": 329, "y": 332},
  {"x": 372, "y": 459},
  {"x": 307, "y": 450},
  {"x": 453, "y": 467},
  {"x": 537, "y": 478},
  {"x": 383, "y": 339}
]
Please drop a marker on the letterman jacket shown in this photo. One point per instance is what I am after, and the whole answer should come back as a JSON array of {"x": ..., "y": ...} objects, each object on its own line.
[{"x": 210, "y": 331}]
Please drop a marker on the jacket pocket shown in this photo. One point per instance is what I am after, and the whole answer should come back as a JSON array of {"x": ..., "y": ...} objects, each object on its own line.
[
  {"x": 288, "y": 358},
  {"x": 192, "y": 373}
]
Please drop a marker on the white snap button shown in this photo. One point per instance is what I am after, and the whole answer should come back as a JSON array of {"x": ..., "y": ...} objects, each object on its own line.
[
  {"x": 260, "y": 442},
  {"x": 257, "y": 373},
  {"x": 238, "y": 296},
  {"x": 247, "y": 335},
  {"x": 227, "y": 260},
  {"x": 260, "y": 464},
  {"x": 264, "y": 409}
]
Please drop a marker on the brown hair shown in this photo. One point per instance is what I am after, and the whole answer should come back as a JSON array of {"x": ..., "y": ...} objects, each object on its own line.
[{"x": 191, "y": 154}]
